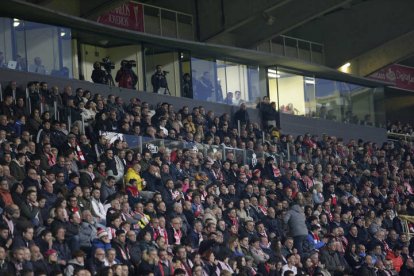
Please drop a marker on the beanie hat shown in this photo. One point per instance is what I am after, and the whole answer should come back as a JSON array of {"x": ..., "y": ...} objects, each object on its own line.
[{"x": 101, "y": 233}]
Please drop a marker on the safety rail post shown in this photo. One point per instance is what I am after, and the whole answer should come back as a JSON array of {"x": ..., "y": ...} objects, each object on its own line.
[
  {"x": 55, "y": 109},
  {"x": 140, "y": 144},
  {"x": 29, "y": 106},
  {"x": 288, "y": 151},
  {"x": 70, "y": 120},
  {"x": 82, "y": 124}
]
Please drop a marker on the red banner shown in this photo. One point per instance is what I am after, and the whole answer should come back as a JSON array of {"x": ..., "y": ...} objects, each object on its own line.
[
  {"x": 396, "y": 75},
  {"x": 128, "y": 16}
]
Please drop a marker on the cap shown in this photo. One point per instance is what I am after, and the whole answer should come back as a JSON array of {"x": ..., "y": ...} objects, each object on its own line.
[
  {"x": 101, "y": 233},
  {"x": 50, "y": 252}
]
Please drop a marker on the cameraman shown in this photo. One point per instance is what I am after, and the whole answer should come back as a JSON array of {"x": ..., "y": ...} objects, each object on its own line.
[
  {"x": 98, "y": 75},
  {"x": 126, "y": 77},
  {"x": 159, "y": 81}
]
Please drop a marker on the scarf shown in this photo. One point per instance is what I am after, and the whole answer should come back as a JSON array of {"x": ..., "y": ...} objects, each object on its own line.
[
  {"x": 163, "y": 233},
  {"x": 177, "y": 236},
  {"x": 79, "y": 153},
  {"x": 316, "y": 238},
  {"x": 263, "y": 210},
  {"x": 51, "y": 159},
  {"x": 234, "y": 221},
  {"x": 168, "y": 265}
]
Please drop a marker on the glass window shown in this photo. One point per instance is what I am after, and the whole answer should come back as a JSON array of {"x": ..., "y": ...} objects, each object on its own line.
[
  {"x": 272, "y": 76},
  {"x": 348, "y": 103},
  {"x": 186, "y": 83},
  {"x": 291, "y": 93},
  {"x": 329, "y": 104},
  {"x": 35, "y": 47},
  {"x": 235, "y": 78},
  {"x": 162, "y": 71},
  {"x": 65, "y": 45},
  {"x": 19, "y": 46},
  {"x": 257, "y": 85},
  {"x": 310, "y": 100},
  {"x": 206, "y": 87},
  {"x": 42, "y": 47},
  {"x": 6, "y": 53}
]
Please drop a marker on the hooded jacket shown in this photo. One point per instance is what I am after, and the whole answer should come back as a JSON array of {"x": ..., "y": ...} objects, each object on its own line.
[{"x": 296, "y": 220}]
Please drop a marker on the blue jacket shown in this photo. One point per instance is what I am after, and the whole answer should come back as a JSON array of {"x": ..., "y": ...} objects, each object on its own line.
[
  {"x": 316, "y": 244},
  {"x": 97, "y": 243}
]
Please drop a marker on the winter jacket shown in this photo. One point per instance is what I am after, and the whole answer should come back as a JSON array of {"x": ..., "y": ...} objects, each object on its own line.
[
  {"x": 87, "y": 233},
  {"x": 296, "y": 220},
  {"x": 97, "y": 243},
  {"x": 132, "y": 174},
  {"x": 73, "y": 267}
]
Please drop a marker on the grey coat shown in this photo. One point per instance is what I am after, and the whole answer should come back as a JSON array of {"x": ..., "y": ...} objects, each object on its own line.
[{"x": 296, "y": 220}]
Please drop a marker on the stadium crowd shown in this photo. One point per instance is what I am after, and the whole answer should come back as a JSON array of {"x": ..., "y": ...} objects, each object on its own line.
[{"x": 74, "y": 203}]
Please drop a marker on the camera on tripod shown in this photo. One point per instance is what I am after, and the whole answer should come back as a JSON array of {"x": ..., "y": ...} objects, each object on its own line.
[
  {"x": 107, "y": 64},
  {"x": 128, "y": 64}
]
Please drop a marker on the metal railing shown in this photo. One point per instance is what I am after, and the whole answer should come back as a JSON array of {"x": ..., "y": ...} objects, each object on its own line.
[
  {"x": 241, "y": 156},
  {"x": 294, "y": 47},
  {"x": 393, "y": 136},
  {"x": 167, "y": 17}
]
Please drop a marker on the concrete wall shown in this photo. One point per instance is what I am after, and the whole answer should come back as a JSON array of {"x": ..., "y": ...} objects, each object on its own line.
[{"x": 290, "y": 124}]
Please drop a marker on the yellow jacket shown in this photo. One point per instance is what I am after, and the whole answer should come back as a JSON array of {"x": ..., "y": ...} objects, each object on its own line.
[{"x": 132, "y": 174}]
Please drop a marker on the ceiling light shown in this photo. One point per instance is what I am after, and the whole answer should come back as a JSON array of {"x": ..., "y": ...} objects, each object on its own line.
[
  {"x": 16, "y": 22},
  {"x": 62, "y": 34},
  {"x": 346, "y": 65},
  {"x": 309, "y": 80},
  {"x": 273, "y": 75}
]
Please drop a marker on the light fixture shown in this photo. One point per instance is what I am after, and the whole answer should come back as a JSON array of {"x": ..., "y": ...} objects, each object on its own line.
[
  {"x": 345, "y": 68},
  {"x": 16, "y": 22},
  {"x": 309, "y": 80},
  {"x": 273, "y": 75},
  {"x": 103, "y": 42},
  {"x": 62, "y": 34}
]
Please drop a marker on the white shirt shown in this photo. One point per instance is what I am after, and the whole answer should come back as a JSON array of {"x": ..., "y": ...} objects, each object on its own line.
[{"x": 286, "y": 268}]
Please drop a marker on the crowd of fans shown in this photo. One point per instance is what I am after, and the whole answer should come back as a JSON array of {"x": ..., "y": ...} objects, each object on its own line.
[
  {"x": 400, "y": 128},
  {"x": 75, "y": 203}
]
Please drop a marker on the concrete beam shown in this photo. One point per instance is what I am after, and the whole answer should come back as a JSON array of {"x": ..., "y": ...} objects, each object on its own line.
[
  {"x": 351, "y": 32},
  {"x": 244, "y": 15},
  {"x": 218, "y": 17},
  {"x": 286, "y": 18},
  {"x": 390, "y": 52}
]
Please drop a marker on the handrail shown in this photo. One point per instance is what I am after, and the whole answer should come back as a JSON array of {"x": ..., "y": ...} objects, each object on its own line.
[
  {"x": 400, "y": 136},
  {"x": 165, "y": 9},
  {"x": 245, "y": 156}
]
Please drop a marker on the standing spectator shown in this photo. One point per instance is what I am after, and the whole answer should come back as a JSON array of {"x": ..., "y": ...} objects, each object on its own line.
[
  {"x": 296, "y": 220},
  {"x": 159, "y": 81},
  {"x": 241, "y": 115}
]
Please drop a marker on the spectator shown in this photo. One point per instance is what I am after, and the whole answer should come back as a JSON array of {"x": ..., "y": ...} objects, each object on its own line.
[
  {"x": 296, "y": 220},
  {"x": 159, "y": 81}
]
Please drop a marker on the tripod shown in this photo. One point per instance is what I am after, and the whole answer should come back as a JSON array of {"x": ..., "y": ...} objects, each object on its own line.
[{"x": 109, "y": 80}]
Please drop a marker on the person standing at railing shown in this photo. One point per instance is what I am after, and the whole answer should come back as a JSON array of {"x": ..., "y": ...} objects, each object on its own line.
[{"x": 159, "y": 81}]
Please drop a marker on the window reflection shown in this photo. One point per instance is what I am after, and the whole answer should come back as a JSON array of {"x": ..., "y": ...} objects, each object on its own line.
[
  {"x": 326, "y": 99},
  {"x": 35, "y": 47}
]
